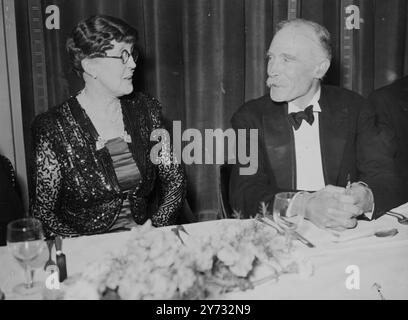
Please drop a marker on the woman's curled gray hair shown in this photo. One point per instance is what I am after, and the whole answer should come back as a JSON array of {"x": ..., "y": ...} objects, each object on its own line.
[{"x": 92, "y": 37}]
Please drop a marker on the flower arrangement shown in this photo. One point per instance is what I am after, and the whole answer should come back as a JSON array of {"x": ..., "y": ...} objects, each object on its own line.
[{"x": 157, "y": 265}]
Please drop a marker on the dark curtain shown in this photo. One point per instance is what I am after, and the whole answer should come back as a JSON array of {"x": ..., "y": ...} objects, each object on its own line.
[{"x": 204, "y": 58}]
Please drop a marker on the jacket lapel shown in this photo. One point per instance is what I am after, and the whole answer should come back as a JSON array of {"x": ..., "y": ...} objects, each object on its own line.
[
  {"x": 279, "y": 145},
  {"x": 91, "y": 136},
  {"x": 334, "y": 128},
  {"x": 137, "y": 147}
]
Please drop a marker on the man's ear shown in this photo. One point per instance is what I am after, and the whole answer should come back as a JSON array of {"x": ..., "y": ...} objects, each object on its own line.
[
  {"x": 322, "y": 68},
  {"x": 89, "y": 67}
]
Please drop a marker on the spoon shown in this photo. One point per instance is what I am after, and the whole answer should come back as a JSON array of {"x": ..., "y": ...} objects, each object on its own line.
[
  {"x": 401, "y": 218},
  {"x": 50, "y": 262},
  {"x": 379, "y": 234},
  {"x": 386, "y": 233}
]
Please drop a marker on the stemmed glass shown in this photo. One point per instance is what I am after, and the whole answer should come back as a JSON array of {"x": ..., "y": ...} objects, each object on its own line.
[
  {"x": 284, "y": 216},
  {"x": 25, "y": 240}
]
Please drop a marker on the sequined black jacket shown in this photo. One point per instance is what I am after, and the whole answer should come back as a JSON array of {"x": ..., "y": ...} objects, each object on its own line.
[{"x": 74, "y": 189}]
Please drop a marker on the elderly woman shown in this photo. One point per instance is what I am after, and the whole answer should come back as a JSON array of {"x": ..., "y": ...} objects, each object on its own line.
[{"x": 92, "y": 167}]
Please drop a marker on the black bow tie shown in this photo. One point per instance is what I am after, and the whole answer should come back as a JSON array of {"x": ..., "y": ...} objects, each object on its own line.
[{"x": 296, "y": 118}]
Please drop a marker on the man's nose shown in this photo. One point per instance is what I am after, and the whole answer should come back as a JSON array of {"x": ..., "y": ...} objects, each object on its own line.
[{"x": 274, "y": 67}]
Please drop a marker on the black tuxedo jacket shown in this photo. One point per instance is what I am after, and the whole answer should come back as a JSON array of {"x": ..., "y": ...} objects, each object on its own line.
[
  {"x": 350, "y": 144},
  {"x": 391, "y": 105}
]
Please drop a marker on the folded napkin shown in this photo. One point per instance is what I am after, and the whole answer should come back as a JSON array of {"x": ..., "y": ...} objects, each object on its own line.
[{"x": 403, "y": 209}]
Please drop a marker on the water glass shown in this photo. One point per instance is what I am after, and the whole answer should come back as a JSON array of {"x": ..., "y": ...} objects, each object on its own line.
[
  {"x": 25, "y": 240},
  {"x": 285, "y": 217}
]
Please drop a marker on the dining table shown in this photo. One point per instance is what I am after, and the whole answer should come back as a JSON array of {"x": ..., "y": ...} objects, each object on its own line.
[{"x": 354, "y": 264}]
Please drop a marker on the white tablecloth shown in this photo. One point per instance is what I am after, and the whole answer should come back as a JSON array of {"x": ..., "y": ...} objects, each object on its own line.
[{"x": 382, "y": 261}]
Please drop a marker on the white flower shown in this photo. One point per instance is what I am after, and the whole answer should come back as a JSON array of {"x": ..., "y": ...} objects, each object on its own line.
[
  {"x": 155, "y": 265},
  {"x": 228, "y": 255},
  {"x": 82, "y": 290}
]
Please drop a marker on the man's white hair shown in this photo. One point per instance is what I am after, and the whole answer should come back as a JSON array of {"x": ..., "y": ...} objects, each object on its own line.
[{"x": 322, "y": 34}]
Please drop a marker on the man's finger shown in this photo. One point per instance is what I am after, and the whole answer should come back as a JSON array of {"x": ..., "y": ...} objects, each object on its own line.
[
  {"x": 334, "y": 189},
  {"x": 339, "y": 214},
  {"x": 335, "y": 227},
  {"x": 345, "y": 198},
  {"x": 342, "y": 218},
  {"x": 353, "y": 209}
]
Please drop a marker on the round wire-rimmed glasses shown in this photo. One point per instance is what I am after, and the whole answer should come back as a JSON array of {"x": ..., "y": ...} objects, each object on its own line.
[{"x": 125, "y": 55}]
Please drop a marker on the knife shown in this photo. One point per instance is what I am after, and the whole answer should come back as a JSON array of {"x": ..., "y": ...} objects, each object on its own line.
[
  {"x": 295, "y": 234},
  {"x": 61, "y": 261}
]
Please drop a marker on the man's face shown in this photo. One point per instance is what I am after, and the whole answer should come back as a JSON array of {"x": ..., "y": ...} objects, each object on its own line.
[{"x": 294, "y": 57}]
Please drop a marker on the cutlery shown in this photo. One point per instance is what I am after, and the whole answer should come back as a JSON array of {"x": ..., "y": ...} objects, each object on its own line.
[
  {"x": 378, "y": 288},
  {"x": 401, "y": 218},
  {"x": 176, "y": 230},
  {"x": 276, "y": 227},
  {"x": 61, "y": 261},
  {"x": 50, "y": 262},
  {"x": 295, "y": 234},
  {"x": 379, "y": 234},
  {"x": 181, "y": 228}
]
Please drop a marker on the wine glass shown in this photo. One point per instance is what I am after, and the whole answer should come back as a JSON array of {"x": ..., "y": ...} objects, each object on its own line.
[
  {"x": 285, "y": 217},
  {"x": 25, "y": 240}
]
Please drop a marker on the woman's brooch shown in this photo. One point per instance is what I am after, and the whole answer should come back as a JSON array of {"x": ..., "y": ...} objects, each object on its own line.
[
  {"x": 100, "y": 143},
  {"x": 126, "y": 137}
]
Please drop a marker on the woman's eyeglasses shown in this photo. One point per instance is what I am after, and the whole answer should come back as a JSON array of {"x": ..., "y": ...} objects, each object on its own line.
[{"x": 125, "y": 55}]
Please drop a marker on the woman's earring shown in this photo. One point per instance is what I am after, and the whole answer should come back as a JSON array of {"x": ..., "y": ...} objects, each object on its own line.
[{"x": 91, "y": 75}]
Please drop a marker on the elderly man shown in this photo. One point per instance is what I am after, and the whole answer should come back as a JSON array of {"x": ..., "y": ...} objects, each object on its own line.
[
  {"x": 313, "y": 138},
  {"x": 391, "y": 106}
]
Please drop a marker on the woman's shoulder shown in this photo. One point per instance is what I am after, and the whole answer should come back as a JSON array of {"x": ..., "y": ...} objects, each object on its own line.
[
  {"x": 48, "y": 120},
  {"x": 144, "y": 101}
]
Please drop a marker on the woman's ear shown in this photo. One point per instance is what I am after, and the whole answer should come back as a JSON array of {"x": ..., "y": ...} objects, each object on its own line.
[
  {"x": 89, "y": 68},
  {"x": 322, "y": 68}
]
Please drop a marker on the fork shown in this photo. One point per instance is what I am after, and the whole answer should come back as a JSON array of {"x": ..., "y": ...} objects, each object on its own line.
[
  {"x": 400, "y": 217},
  {"x": 50, "y": 262},
  {"x": 181, "y": 228},
  {"x": 177, "y": 230},
  {"x": 276, "y": 227},
  {"x": 177, "y": 233},
  {"x": 295, "y": 234}
]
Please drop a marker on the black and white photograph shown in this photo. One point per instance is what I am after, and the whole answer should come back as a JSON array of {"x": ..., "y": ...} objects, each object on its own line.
[{"x": 224, "y": 151}]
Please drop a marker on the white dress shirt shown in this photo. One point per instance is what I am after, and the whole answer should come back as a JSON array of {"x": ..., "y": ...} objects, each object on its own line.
[{"x": 309, "y": 168}]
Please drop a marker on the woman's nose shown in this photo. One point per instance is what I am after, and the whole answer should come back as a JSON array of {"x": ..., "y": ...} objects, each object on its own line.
[{"x": 131, "y": 63}]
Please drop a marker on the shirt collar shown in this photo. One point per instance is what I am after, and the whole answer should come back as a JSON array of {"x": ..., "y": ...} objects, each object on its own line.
[{"x": 314, "y": 101}]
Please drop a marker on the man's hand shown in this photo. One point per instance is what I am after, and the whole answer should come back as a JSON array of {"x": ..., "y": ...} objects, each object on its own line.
[
  {"x": 363, "y": 197},
  {"x": 332, "y": 208}
]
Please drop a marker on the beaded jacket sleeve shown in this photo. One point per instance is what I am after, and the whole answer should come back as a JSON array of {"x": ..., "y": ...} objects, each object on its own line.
[{"x": 171, "y": 174}]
